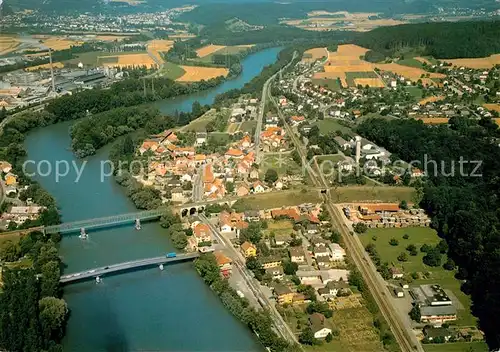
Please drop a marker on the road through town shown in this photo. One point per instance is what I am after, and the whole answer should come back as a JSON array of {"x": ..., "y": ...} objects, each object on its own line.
[{"x": 265, "y": 302}]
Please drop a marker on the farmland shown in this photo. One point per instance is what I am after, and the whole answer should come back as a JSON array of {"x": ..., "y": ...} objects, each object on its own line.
[
  {"x": 433, "y": 120},
  {"x": 312, "y": 55},
  {"x": 277, "y": 199},
  {"x": 45, "y": 66},
  {"x": 8, "y": 44},
  {"x": 127, "y": 60},
  {"x": 330, "y": 83},
  {"x": 171, "y": 70},
  {"x": 209, "y": 49},
  {"x": 221, "y": 50},
  {"x": 411, "y": 73},
  {"x": 479, "y": 63},
  {"x": 342, "y": 20},
  {"x": 371, "y": 194},
  {"x": 57, "y": 42},
  {"x": 492, "y": 107},
  {"x": 431, "y": 99},
  {"x": 477, "y": 346},
  {"x": 158, "y": 46},
  {"x": 196, "y": 74},
  {"x": 345, "y": 65}
]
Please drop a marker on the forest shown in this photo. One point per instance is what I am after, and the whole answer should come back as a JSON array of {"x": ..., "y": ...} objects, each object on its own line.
[
  {"x": 442, "y": 40},
  {"x": 462, "y": 200}
]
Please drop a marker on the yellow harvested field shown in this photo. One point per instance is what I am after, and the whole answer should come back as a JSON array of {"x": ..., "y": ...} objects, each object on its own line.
[
  {"x": 433, "y": 120},
  {"x": 492, "y": 107},
  {"x": 351, "y": 50},
  {"x": 246, "y": 46},
  {"x": 479, "y": 63},
  {"x": 8, "y": 44},
  {"x": 431, "y": 99},
  {"x": 312, "y": 55},
  {"x": 371, "y": 82},
  {"x": 411, "y": 73},
  {"x": 197, "y": 73},
  {"x": 60, "y": 43},
  {"x": 161, "y": 45},
  {"x": 342, "y": 20},
  {"x": 45, "y": 66},
  {"x": 111, "y": 38},
  {"x": 209, "y": 49},
  {"x": 130, "y": 60},
  {"x": 158, "y": 46}
]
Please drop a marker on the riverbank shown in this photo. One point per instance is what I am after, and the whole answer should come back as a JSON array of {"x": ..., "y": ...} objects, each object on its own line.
[{"x": 164, "y": 301}]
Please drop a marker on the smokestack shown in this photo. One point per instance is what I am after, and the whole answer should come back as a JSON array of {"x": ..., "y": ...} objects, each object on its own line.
[
  {"x": 358, "y": 149},
  {"x": 52, "y": 72}
]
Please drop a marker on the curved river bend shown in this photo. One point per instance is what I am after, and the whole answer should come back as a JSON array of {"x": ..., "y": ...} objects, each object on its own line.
[{"x": 170, "y": 310}]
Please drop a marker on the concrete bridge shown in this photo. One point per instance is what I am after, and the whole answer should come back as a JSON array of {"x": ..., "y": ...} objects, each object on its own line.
[{"x": 127, "y": 266}]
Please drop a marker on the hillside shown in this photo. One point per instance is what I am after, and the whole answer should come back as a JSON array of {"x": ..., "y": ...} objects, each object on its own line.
[{"x": 440, "y": 40}]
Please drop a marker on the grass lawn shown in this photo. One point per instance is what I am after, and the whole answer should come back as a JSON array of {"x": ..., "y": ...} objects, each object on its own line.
[
  {"x": 248, "y": 126},
  {"x": 200, "y": 124},
  {"x": 411, "y": 62},
  {"x": 355, "y": 327},
  {"x": 438, "y": 275},
  {"x": 331, "y": 125},
  {"x": 477, "y": 346},
  {"x": 281, "y": 162},
  {"x": 5, "y": 238},
  {"x": 221, "y": 137},
  {"x": 332, "y": 84},
  {"x": 277, "y": 199},
  {"x": 279, "y": 227},
  {"x": 371, "y": 193},
  {"x": 171, "y": 70},
  {"x": 415, "y": 92}
]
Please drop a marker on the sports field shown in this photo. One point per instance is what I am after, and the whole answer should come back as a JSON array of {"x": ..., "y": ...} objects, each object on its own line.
[{"x": 196, "y": 73}]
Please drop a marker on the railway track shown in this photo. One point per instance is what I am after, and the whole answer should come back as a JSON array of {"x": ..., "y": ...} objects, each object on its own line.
[{"x": 406, "y": 341}]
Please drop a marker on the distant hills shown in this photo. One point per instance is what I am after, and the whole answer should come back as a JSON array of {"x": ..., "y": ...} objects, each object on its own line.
[{"x": 260, "y": 11}]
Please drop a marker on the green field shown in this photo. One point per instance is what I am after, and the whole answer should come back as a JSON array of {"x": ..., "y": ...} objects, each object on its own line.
[
  {"x": 171, "y": 70},
  {"x": 332, "y": 84},
  {"x": 457, "y": 347},
  {"x": 200, "y": 124},
  {"x": 281, "y": 162},
  {"x": 438, "y": 275},
  {"x": 331, "y": 125},
  {"x": 277, "y": 199},
  {"x": 411, "y": 62},
  {"x": 91, "y": 58},
  {"x": 351, "y": 76},
  {"x": 221, "y": 137},
  {"x": 415, "y": 92},
  {"x": 5, "y": 238},
  {"x": 371, "y": 193},
  {"x": 248, "y": 126}
]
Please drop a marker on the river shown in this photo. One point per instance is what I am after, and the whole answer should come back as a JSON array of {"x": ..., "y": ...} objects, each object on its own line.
[{"x": 170, "y": 310}]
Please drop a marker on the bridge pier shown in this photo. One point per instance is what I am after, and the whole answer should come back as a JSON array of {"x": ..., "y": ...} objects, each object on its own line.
[
  {"x": 137, "y": 224},
  {"x": 83, "y": 234}
]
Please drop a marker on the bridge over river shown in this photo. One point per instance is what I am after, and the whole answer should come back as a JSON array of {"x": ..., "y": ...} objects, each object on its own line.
[{"x": 123, "y": 267}]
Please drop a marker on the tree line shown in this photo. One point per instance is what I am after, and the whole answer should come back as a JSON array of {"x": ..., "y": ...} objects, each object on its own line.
[
  {"x": 441, "y": 40},
  {"x": 463, "y": 203}
]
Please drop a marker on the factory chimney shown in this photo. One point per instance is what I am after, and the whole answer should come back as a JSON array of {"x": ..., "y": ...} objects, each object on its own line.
[
  {"x": 358, "y": 149},
  {"x": 52, "y": 72}
]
